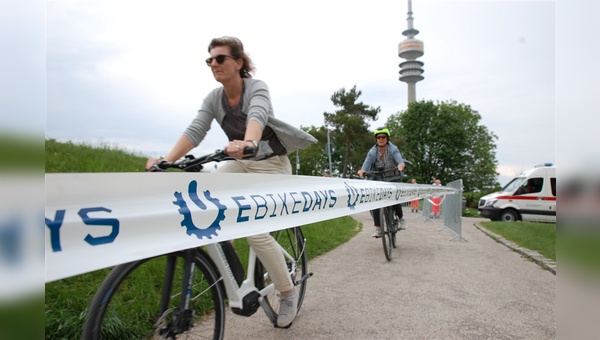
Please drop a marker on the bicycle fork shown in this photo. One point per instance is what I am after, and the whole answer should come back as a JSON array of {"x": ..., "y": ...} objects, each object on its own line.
[{"x": 184, "y": 316}]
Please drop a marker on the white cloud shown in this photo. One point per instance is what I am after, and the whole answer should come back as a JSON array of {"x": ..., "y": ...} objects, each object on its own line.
[{"x": 22, "y": 66}]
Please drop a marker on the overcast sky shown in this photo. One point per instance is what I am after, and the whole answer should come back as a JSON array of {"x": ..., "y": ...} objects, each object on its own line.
[{"x": 131, "y": 73}]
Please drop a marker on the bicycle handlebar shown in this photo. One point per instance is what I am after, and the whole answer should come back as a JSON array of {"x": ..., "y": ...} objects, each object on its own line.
[
  {"x": 192, "y": 164},
  {"x": 381, "y": 174}
]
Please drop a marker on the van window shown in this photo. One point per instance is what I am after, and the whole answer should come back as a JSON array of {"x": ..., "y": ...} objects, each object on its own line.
[
  {"x": 531, "y": 186},
  {"x": 513, "y": 184},
  {"x": 553, "y": 185}
]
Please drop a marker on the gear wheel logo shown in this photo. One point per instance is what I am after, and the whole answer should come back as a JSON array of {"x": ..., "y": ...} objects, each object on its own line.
[
  {"x": 352, "y": 196},
  {"x": 184, "y": 210}
]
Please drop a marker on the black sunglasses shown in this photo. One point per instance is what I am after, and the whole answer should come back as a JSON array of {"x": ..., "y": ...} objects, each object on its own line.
[{"x": 220, "y": 59}]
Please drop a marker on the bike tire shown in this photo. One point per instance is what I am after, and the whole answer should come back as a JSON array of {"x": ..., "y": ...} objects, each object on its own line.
[
  {"x": 292, "y": 240},
  {"x": 127, "y": 304},
  {"x": 386, "y": 236}
]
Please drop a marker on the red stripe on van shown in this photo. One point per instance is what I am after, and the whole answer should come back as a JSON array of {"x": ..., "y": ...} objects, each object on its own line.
[{"x": 527, "y": 198}]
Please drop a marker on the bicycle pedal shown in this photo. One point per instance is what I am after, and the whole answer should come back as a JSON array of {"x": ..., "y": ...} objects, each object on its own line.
[{"x": 302, "y": 279}]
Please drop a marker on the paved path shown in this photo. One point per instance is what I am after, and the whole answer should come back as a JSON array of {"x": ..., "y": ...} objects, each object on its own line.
[{"x": 433, "y": 288}]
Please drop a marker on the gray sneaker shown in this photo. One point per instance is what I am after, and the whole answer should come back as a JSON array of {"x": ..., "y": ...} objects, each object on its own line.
[
  {"x": 402, "y": 224},
  {"x": 377, "y": 233},
  {"x": 288, "y": 307}
]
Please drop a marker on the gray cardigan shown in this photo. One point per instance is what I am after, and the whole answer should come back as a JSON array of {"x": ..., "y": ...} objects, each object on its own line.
[{"x": 257, "y": 106}]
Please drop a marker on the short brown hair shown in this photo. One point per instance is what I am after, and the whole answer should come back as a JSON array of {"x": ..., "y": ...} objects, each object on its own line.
[{"x": 236, "y": 48}]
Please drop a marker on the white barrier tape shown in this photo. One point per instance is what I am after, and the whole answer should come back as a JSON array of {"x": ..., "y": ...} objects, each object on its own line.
[
  {"x": 436, "y": 204},
  {"x": 21, "y": 243},
  {"x": 98, "y": 220}
]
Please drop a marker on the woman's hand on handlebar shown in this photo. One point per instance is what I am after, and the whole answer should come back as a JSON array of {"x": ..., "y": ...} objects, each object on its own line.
[
  {"x": 151, "y": 162},
  {"x": 235, "y": 148},
  {"x": 361, "y": 173}
]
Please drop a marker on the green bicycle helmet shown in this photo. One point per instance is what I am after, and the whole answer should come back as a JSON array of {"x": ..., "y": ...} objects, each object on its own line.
[{"x": 382, "y": 130}]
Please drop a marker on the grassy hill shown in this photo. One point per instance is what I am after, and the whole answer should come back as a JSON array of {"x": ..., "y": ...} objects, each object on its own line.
[
  {"x": 71, "y": 157},
  {"x": 20, "y": 152}
]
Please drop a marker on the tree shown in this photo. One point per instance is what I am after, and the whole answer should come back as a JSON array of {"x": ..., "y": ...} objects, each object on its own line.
[
  {"x": 445, "y": 141},
  {"x": 313, "y": 159},
  {"x": 349, "y": 127}
]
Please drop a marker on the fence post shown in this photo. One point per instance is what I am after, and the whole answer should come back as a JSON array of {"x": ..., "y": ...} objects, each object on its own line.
[{"x": 452, "y": 210}]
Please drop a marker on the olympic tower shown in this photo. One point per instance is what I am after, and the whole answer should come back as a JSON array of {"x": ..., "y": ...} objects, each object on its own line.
[{"x": 411, "y": 70}]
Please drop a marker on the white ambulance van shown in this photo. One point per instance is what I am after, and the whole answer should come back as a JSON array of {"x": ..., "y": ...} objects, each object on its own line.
[{"x": 531, "y": 196}]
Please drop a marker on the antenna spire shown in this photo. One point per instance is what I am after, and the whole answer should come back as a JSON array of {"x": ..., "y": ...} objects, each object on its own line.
[{"x": 411, "y": 70}]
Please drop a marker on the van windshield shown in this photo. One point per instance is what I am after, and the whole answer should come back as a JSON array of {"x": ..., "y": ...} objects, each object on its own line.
[{"x": 514, "y": 184}]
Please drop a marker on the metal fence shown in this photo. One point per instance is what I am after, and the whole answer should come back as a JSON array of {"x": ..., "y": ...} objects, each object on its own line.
[
  {"x": 452, "y": 206},
  {"x": 447, "y": 208}
]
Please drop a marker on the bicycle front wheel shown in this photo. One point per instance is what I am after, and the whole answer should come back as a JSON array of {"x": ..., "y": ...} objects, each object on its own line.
[
  {"x": 386, "y": 234},
  {"x": 293, "y": 243},
  {"x": 128, "y": 303},
  {"x": 395, "y": 223}
]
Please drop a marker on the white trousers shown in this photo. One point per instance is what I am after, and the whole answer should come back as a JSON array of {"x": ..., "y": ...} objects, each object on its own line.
[{"x": 264, "y": 245}]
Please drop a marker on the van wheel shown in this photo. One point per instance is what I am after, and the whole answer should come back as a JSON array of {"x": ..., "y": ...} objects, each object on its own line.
[{"x": 509, "y": 216}]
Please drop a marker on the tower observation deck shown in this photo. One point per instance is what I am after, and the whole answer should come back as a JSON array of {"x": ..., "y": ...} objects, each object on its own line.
[{"x": 411, "y": 70}]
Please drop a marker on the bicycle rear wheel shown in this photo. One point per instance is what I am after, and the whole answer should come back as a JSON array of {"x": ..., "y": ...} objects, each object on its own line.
[
  {"x": 386, "y": 235},
  {"x": 128, "y": 303},
  {"x": 292, "y": 241}
]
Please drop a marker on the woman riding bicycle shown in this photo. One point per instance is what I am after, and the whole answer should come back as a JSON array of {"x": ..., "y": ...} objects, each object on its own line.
[
  {"x": 383, "y": 156},
  {"x": 242, "y": 107}
]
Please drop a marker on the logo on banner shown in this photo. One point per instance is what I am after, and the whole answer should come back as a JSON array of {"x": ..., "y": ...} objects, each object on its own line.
[
  {"x": 352, "y": 196},
  {"x": 367, "y": 194},
  {"x": 188, "y": 223}
]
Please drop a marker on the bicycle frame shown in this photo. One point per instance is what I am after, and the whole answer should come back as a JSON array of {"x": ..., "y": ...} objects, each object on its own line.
[
  {"x": 235, "y": 292},
  {"x": 243, "y": 297}
]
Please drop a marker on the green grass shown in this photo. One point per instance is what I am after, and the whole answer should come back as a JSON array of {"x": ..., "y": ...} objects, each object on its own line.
[
  {"x": 71, "y": 157},
  {"x": 22, "y": 319},
  {"x": 21, "y": 160},
  {"x": 470, "y": 212},
  {"x": 20, "y": 152},
  {"x": 579, "y": 248},
  {"x": 67, "y": 300},
  {"x": 321, "y": 237},
  {"x": 540, "y": 237}
]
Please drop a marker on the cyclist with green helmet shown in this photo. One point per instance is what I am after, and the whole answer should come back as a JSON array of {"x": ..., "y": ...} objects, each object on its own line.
[{"x": 384, "y": 155}]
